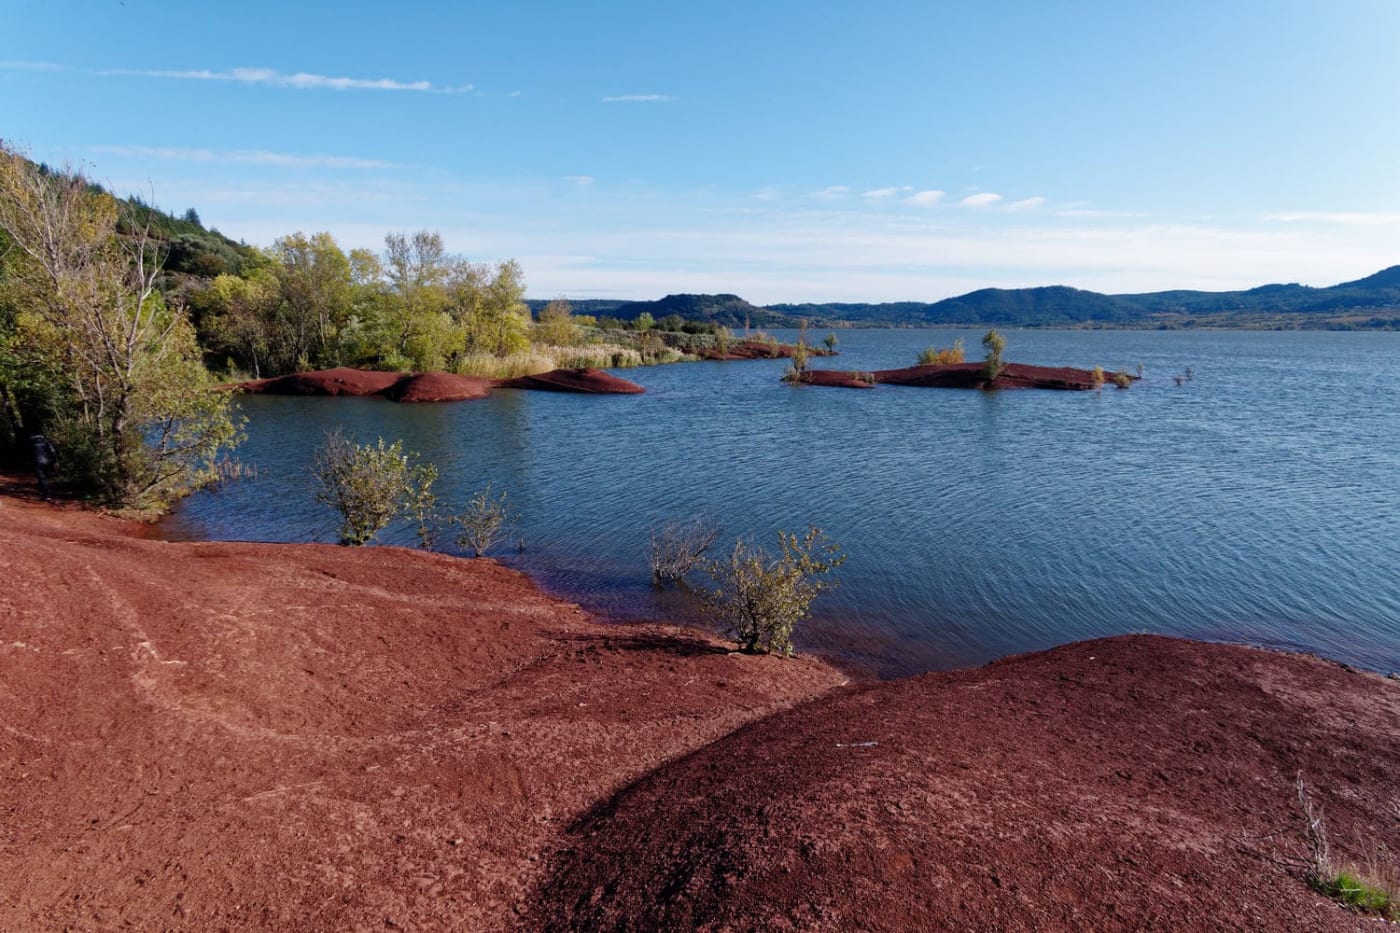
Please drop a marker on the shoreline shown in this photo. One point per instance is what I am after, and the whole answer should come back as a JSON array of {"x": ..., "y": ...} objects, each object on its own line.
[{"x": 292, "y": 735}]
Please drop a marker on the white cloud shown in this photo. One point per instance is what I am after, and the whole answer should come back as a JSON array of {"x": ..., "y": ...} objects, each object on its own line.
[
  {"x": 33, "y": 66},
  {"x": 1348, "y": 218},
  {"x": 767, "y": 193},
  {"x": 583, "y": 181},
  {"x": 1026, "y": 204},
  {"x": 831, "y": 192},
  {"x": 881, "y": 194},
  {"x": 985, "y": 199},
  {"x": 926, "y": 198},
  {"x": 1089, "y": 212},
  {"x": 300, "y": 80},
  {"x": 513, "y": 94},
  {"x": 243, "y": 157},
  {"x": 640, "y": 99}
]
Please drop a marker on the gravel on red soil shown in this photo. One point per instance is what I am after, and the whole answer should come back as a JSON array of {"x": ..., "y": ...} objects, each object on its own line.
[
  {"x": 266, "y": 736},
  {"x": 576, "y": 380},
  {"x": 263, "y": 736},
  {"x": 1133, "y": 783}
]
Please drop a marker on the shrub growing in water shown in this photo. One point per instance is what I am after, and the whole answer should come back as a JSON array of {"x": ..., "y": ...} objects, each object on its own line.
[
  {"x": 994, "y": 343},
  {"x": 484, "y": 521},
  {"x": 942, "y": 356},
  {"x": 371, "y": 486},
  {"x": 761, "y": 598},
  {"x": 678, "y": 547}
]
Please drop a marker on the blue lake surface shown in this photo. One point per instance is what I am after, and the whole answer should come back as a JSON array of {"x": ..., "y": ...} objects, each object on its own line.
[{"x": 1258, "y": 502}]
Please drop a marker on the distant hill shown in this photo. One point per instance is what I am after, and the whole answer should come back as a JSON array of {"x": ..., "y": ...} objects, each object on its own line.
[
  {"x": 1372, "y": 302},
  {"x": 729, "y": 310}
]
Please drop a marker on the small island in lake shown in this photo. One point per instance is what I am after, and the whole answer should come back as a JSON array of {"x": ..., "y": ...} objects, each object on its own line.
[{"x": 969, "y": 376}]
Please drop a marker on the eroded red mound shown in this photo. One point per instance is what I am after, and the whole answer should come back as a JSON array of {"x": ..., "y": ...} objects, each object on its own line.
[
  {"x": 576, "y": 380},
  {"x": 435, "y": 386},
  {"x": 340, "y": 381},
  {"x": 439, "y": 387},
  {"x": 1128, "y": 784}
]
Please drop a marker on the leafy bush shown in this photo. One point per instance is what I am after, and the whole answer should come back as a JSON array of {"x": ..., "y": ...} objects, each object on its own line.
[
  {"x": 1122, "y": 380},
  {"x": 677, "y": 548},
  {"x": 1097, "y": 378},
  {"x": 761, "y": 598},
  {"x": 994, "y": 343},
  {"x": 484, "y": 521},
  {"x": 942, "y": 356},
  {"x": 371, "y": 486}
]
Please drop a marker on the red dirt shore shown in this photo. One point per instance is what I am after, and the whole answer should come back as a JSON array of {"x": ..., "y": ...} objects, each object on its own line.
[
  {"x": 963, "y": 376},
  {"x": 255, "y": 736},
  {"x": 434, "y": 386}
]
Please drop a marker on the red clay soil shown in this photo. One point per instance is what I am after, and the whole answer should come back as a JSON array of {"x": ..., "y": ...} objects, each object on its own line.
[
  {"x": 1133, "y": 783},
  {"x": 439, "y": 387},
  {"x": 967, "y": 376},
  {"x": 576, "y": 380},
  {"x": 339, "y": 381},
  {"x": 434, "y": 386},
  {"x": 258, "y": 736}
]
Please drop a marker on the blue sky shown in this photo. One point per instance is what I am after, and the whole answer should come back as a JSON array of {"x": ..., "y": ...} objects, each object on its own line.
[{"x": 780, "y": 150}]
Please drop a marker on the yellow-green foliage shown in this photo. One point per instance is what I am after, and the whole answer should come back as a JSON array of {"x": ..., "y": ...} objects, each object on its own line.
[
  {"x": 1122, "y": 380},
  {"x": 1098, "y": 377},
  {"x": 942, "y": 356},
  {"x": 371, "y": 486},
  {"x": 555, "y": 326},
  {"x": 761, "y": 598}
]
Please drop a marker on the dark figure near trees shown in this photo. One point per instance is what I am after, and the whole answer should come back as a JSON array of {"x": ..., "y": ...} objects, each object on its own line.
[{"x": 45, "y": 460}]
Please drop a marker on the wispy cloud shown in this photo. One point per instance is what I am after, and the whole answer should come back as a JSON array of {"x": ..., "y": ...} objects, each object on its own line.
[
  {"x": 767, "y": 193},
  {"x": 1347, "y": 218},
  {"x": 33, "y": 66},
  {"x": 299, "y": 80},
  {"x": 583, "y": 181},
  {"x": 243, "y": 157},
  {"x": 640, "y": 99},
  {"x": 985, "y": 199},
  {"x": 926, "y": 198},
  {"x": 1026, "y": 204},
  {"x": 881, "y": 194},
  {"x": 1093, "y": 212},
  {"x": 831, "y": 193}
]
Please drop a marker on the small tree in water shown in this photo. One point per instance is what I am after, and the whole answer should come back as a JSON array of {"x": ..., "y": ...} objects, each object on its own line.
[
  {"x": 760, "y": 597},
  {"x": 994, "y": 343},
  {"x": 371, "y": 486},
  {"x": 484, "y": 521}
]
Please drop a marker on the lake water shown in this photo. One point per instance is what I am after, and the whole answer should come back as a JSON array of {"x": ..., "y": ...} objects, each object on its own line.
[{"x": 1258, "y": 502}]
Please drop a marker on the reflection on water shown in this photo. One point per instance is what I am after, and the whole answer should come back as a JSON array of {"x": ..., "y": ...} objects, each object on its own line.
[{"x": 1258, "y": 502}]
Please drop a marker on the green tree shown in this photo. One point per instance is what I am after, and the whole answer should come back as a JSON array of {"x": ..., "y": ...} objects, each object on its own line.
[
  {"x": 314, "y": 282},
  {"x": 555, "y": 325},
  {"x": 128, "y": 397}
]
